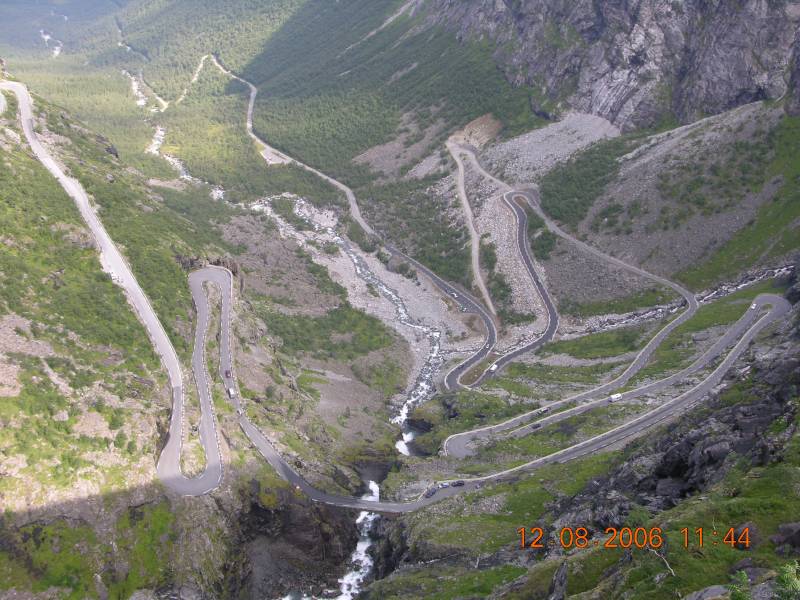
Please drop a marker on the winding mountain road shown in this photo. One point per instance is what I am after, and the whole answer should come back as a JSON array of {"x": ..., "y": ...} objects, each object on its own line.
[
  {"x": 475, "y": 239},
  {"x": 113, "y": 263},
  {"x": 168, "y": 467},
  {"x": 747, "y": 327},
  {"x": 459, "y": 444}
]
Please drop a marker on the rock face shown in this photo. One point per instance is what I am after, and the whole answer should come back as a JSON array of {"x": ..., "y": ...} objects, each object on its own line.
[
  {"x": 287, "y": 543},
  {"x": 636, "y": 61},
  {"x": 793, "y": 94}
]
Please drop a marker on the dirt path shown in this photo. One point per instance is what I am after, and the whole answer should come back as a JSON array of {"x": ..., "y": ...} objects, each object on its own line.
[{"x": 475, "y": 238}]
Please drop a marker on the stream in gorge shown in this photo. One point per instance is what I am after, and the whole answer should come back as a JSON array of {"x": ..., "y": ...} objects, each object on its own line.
[{"x": 422, "y": 389}]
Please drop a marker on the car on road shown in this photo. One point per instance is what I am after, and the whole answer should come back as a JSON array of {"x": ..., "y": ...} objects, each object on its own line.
[
  {"x": 753, "y": 306},
  {"x": 454, "y": 295},
  {"x": 487, "y": 346},
  {"x": 443, "y": 485},
  {"x": 535, "y": 426},
  {"x": 227, "y": 373},
  {"x": 458, "y": 483},
  {"x": 614, "y": 397},
  {"x": 544, "y": 410},
  {"x": 429, "y": 492},
  {"x": 493, "y": 368},
  {"x": 231, "y": 392}
]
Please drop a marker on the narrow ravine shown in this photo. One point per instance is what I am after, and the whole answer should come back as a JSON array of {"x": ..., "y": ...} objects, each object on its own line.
[
  {"x": 350, "y": 584},
  {"x": 423, "y": 387}
]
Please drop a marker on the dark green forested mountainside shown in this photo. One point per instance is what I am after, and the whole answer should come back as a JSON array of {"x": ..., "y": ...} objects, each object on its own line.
[{"x": 665, "y": 135}]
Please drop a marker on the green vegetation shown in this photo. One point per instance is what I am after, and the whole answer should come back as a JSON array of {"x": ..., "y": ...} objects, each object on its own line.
[
  {"x": 774, "y": 230},
  {"x": 67, "y": 554},
  {"x": 448, "y": 583},
  {"x": 344, "y": 333},
  {"x": 153, "y": 232},
  {"x": 600, "y": 345},
  {"x": 498, "y": 287},
  {"x": 488, "y": 255},
  {"x": 649, "y": 297},
  {"x": 387, "y": 377},
  {"x": 711, "y": 183},
  {"x": 331, "y": 97},
  {"x": 409, "y": 213},
  {"x": 523, "y": 503},
  {"x": 144, "y": 536},
  {"x": 541, "y": 239},
  {"x": 761, "y": 495},
  {"x": 462, "y": 411},
  {"x": 207, "y": 131},
  {"x": 552, "y": 438},
  {"x": 552, "y": 374},
  {"x": 678, "y": 349},
  {"x": 569, "y": 190}
]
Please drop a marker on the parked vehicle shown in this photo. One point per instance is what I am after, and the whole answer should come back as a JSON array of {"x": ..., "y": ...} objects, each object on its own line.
[
  {"x": 227, "y": 374},
  {"x": 458, "y": 483},
  {"x": 231, "y": 393},
  {"x": 443, "y": 485},
  {"x": 429, "y": 493}
]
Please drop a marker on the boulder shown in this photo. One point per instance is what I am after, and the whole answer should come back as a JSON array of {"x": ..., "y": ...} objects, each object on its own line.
[
  {"x": 752, "y": 533},
  {"x": 787, "y": 540},
  {"x": 715, "y": 592}
]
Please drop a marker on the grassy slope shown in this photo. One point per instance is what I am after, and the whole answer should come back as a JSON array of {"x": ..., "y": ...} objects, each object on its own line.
[
  {"x": 569, "y": 191},
  {"x": 207, "y": 130},
  {"x": 762, "y": 495},
  {"x": 774, "y": 231},
  {"x": 57, "y": 284},
  {"x": 153, "y": 231},
  {"x": 334, "y": 103}
]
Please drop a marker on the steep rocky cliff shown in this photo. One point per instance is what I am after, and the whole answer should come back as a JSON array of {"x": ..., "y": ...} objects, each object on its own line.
[
  {"x": 636, "y": 62},
  {"x": 793, "y": 101}
]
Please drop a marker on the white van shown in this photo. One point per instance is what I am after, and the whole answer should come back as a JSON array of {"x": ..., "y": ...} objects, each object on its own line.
[{"x": 614, "y": 397}]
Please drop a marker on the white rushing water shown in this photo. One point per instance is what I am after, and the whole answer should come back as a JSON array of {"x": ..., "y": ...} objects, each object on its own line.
[
  {"x": 58, "y": 46},
  {"x": 423, "y": 387},
  {"x": 350, "y": 584},
  {"x": 136, "y": 88},
  {"x": 157, "y": 142},
  {"x": 217, "y": 192}
]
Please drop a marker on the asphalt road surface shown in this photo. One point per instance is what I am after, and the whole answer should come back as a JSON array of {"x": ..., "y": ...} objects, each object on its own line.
[
  {"x": 114, "y": 264},
  {"x": 169, "y": 463},
  {"x": 464, "y": 299},
  {"x": 459, "y": 444},
  {"x": 747, "y": 327}
]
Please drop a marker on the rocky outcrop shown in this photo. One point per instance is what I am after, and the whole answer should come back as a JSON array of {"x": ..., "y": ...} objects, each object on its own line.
[
  {"x": 635, "y": 62},
  {"x": 389, "y": 548},
  {"x": 289, "y": 543},
  {"x": 661, "y": 470},
  {"x": 698, "y": 453},
  {"x": 793, "y": 94},
  {"x": 787, "y": 539}
]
